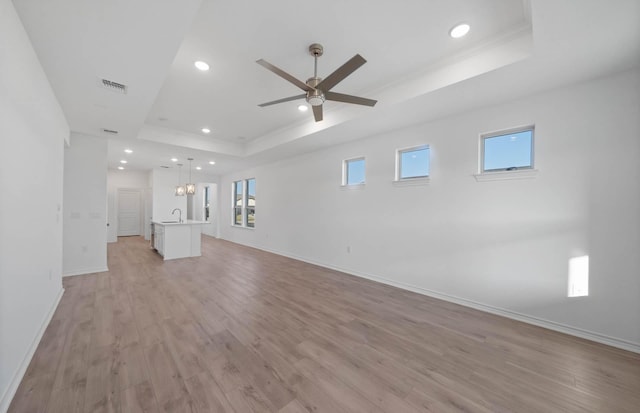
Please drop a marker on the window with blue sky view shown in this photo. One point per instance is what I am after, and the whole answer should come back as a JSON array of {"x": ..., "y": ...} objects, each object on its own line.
[
  {"x": 509, "y": 151},
  {"x": 413, "y": 163},
  {"x": 251, "y": 190},
  {"x": 354, "y": 172}
]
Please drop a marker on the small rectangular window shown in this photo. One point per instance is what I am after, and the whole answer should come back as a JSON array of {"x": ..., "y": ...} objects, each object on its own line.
[
  {"x": 250, "y": 204},
  {"x": 508, "y": 150},
  {"x": 237, "y": 205},
  {"x": 413, "y": 163},
  {"x": 353, "y": 172}
]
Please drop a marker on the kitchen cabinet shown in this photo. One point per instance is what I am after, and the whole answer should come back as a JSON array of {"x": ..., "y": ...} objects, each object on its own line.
[{"x": 178, "y": 239}]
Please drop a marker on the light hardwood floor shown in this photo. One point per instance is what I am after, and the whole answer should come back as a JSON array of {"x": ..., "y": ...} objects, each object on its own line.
[{"x": 241, "y": 330}]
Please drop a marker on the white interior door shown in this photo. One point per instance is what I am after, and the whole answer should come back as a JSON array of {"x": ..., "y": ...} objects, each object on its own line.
[{"x": 129, "y": 212}]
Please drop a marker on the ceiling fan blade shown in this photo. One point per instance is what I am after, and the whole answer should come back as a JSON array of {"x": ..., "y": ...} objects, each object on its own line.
[
  {"x": 274, "y": 102},
  {"x": 284, "y": 75},
  {"x": 340, "y": 73},
  {"x": 339, "y": 97},
  {"x": 317, "y": 112}
]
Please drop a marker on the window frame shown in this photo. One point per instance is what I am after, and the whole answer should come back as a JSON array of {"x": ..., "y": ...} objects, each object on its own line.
[
  {"x": 246, "y": 207},
  {"x": 243, "y": 210},
  {"x": 206, "y": 203},
  {"x": 234, "y": 203},
  {"x": 505, "y": 132},
  {"x": 400, "y": 152},
  {"x": 345, "y": 172}
]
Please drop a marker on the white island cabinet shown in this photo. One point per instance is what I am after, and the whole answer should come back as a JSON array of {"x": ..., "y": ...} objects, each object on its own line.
[{"x": 177, "y": 239}]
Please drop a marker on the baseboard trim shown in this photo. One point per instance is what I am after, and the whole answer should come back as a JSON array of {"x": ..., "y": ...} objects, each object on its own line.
[
  {"x": 540, "y": 322},
  {"x": 85, "y": 271},
  {"x": 8, "y": 395}
]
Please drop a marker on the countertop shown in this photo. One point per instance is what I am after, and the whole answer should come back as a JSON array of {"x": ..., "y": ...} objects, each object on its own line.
[{"x": 173, "y": 223}]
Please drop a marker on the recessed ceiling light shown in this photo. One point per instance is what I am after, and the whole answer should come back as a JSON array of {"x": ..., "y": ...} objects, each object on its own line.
[
  {"x": 303, "y": 108},
  {"x": 459, "y": 30},
  {"x": 212, "y": 162},
  {"x": 123, "y": 161},
  {"x": 128, "y": 151},
  {"x": 202, "y": 65},
  {"x": 121, "y": 167},
  {"x": 206, "y": 130},
  {"x": 174, "y": 159},
  {"x": 198, "y": 168}
]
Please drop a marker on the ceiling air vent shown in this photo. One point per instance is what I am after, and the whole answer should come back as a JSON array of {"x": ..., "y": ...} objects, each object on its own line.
[
  {"x": 164, "y": 166},
  {"x": 115, "y": 132},
  {"x": 113, "y": 86}
]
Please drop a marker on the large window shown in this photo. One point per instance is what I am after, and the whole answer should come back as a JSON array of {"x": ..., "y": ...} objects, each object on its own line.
[
  {"x": 250, "y": 204},
  {"x": 353, "y": 172},
  {"x": 207, "y": 203},
  {"x": 413, "y": 163},
  {"x": 508, "y": 150},
  {"x": 237, "y": 204},
  {"x": 244, "y": 203}
]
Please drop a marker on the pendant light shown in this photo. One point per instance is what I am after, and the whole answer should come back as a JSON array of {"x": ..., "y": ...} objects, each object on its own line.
[
  {"x": 190, "y": 188},
  {"x": 180, "y": 189}
]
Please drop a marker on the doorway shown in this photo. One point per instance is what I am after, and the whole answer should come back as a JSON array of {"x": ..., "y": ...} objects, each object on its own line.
[
  {"x": 129, "y": 212},
  {"x": 208, "y": 210}
]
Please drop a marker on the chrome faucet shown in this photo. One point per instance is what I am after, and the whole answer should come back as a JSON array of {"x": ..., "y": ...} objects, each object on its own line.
[{"x": 179, "y": 216}]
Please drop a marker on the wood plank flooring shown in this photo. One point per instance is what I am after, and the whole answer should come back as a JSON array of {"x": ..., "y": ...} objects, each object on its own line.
[{"x": 241, "y": 330}]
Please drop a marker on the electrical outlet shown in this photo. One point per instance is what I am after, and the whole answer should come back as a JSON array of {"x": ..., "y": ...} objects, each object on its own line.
[
  {"x": 85, "y": 248},
  {"x": 348, "y": 249}
]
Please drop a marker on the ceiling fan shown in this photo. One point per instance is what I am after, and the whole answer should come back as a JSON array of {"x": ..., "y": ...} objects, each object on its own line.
[{"x": 317, "y": 90}]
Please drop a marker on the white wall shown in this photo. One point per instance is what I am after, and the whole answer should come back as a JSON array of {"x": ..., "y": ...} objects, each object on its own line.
[
  {"x": 84, "y": 246},
  {"x": 32, "y": 134},
  {"x": 502, "y": 246},
  {"x": 128, "y": 180},
  {"x": 164, "y": 182}
]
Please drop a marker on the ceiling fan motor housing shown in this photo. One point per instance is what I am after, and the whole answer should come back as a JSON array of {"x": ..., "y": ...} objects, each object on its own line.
[
  {"x": 315, "y": 97},
  {"x": 316, "y": 49}
]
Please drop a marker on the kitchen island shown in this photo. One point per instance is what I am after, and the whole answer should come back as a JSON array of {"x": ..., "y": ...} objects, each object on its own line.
[{"x": 174, "y": 239}]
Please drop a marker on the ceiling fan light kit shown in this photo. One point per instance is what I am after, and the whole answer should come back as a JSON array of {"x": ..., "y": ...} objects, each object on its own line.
[
  {"x": 318, "y": 90},
  {"x": 315, "y": 97}
]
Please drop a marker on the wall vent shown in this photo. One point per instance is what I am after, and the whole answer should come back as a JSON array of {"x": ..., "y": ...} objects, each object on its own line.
[
  {"x": 113, "y": 86},
  {"x": 164, "y": 166},
  {"x": 115, "y": 132}
]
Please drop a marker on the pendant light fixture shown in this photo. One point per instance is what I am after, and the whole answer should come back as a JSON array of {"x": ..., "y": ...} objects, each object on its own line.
[
  {"x": 180, "y": 189},
  {"x": 191, "y": 188}
]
